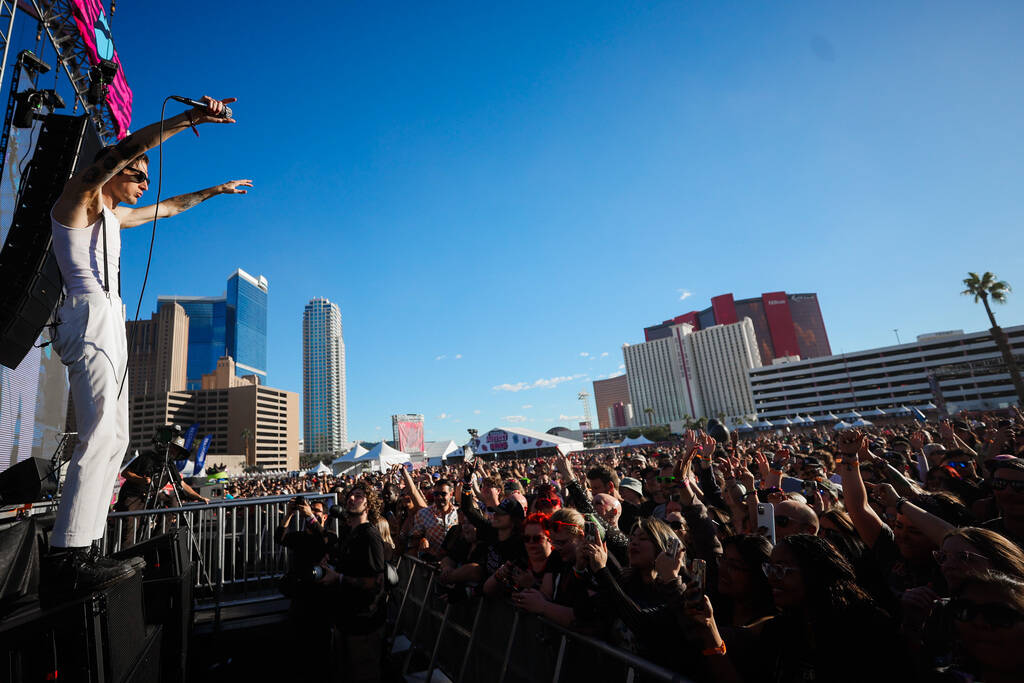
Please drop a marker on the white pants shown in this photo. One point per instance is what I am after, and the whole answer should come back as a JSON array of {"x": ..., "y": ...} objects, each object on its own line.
[{"x": 91, "y": 342}]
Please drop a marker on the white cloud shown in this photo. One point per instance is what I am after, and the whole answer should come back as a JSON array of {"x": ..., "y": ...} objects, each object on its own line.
[
  {"x": 476, "y": 411},
  {"x": 684, "y": 294},
  {"x": 620, "y": 373},
  {"x": 377, "y": 428},
  {"x": 458, "y": 356},
  {"x": 570, "y": 417},
  {"x": 527, "y": 406},
  {"x": 443, "y": 416},
  {"x": 584, "y": 354},
  {"x": 601, "y": 376},
  {"x": 549, "y": 383},
  {"x": 621, "y": 366},
  {"x": 514, "y": 418},
  {"x": 604, "y": 354},
  {"x": 441, "y": 357}
]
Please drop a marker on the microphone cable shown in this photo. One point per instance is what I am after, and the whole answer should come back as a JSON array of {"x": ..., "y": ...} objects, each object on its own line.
[{"x": 152, "y": 241}]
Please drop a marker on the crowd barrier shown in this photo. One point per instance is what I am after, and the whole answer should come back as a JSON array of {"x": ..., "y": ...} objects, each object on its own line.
[
  {"x": 232, "y": 543},
  {"x": 477, "y": 639}
]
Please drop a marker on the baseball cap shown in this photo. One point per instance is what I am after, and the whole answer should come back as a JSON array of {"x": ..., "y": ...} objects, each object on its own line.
[{"x": 512, "y": 508}]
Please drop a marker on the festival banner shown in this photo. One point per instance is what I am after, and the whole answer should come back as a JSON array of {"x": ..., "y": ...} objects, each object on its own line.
[
  {"x": 94, "y": 29},
  {"x": 190, "y": 435},
  {"x": 204, "y": 446}
]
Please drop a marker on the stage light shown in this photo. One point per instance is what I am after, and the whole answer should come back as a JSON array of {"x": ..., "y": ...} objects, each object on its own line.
[
  {"x": 100, "y": 76},
  {"x": 30, "y": 61}
]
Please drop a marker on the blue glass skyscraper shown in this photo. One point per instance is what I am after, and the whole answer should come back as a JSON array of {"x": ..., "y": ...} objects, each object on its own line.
[{"x": 234, "y": 324}]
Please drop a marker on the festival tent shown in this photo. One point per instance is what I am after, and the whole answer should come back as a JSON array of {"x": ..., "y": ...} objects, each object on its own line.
[
  {"x": 381, "y": 457},
  {"x": 862, "y": 423},
  {"x": 436, "y": 452},
  {"x": 503, "y": 439},
  {"x": 842, "y": 425},
  {"x": 744, "y": 427},
  {"x": 320, "y": 469},
  {"x": 345, "y": 461},
  {"x": 763, "y": 424},
  {"x": 852, "y": 415},
  {"x": 637, "y": 441},
  {"x": 875, "y": 412}
]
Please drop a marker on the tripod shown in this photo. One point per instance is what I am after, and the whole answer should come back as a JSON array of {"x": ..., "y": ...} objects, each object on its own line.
[{"x": 166, "y": 476}]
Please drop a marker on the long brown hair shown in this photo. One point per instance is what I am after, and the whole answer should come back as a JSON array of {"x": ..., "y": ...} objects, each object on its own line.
[{"x": 1002, "y": 553}]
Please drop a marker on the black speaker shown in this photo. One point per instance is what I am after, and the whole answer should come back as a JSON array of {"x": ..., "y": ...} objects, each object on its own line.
[
  {"x": 28, "y": 268},
  {"x": 167, "y": 555},
  {"x": 27, "y": 482},
  {"x": 148, "y": 667},
  {"x": 98, "y": 637}
]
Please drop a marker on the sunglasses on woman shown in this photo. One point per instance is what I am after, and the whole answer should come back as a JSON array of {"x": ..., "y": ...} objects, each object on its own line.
[
  {"x": 993, "y": 613},
  {"x": 961, "y": 556},
  {"x": 777, "y": 571},
  {"x": 1000, "y": 484}
]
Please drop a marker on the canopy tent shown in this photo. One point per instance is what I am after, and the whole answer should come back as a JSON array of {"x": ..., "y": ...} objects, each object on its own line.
[
  {"x": 852, "y": 415},
  {"x": 798, "y": 421},
  {"x": 637, "y": 441},
  {"x": 784, "y": 422},
  {"x": 744, "y": 427},
  {"x": 902, "y": 410},
  {"x": 381, "y": 457},
  {"x": 503, "y": 439},
  {"x": 320, "y": 469},
  {"x": 342, "y": 463},
  {"x": 862, "y": 423},
  {"x": 436, "y": 452},
  {"x": 762, "y": 424},
  {"x": 842, "y": 425},
  {"x": 874, "y": 412}
]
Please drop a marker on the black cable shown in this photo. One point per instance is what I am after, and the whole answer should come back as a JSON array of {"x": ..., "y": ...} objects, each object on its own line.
[{"x": 152, "y": 240}]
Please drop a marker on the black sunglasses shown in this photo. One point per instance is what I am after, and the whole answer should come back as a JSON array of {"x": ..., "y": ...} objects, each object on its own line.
[
  {"x": 999, "y": 484},
  {"x": 136, "y": 175},
  {"x": 676, "y": 525},
  {"x": 994, "y": 614}
]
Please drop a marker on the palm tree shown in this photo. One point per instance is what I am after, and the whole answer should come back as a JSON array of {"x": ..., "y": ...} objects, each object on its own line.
[
  {"x": 246, "y": 438},
  {"x": 650, "y": 415},
  {"x": 982, "y": 289}
]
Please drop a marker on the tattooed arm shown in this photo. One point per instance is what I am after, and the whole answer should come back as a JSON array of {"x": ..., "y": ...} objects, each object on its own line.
[
  {"x": 130, "y": 217},
  {"x": 79, "y": 204}
]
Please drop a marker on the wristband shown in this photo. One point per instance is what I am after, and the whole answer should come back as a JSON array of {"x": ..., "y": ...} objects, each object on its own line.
[
  {"x": 192, "y": 122},
  {"x": 712, "y": 651}
]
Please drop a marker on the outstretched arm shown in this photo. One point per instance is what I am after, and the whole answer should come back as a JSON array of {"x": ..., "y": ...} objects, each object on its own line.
[
  {"x": 78, "y": 204},
  {"x": 130, "y": 217}
]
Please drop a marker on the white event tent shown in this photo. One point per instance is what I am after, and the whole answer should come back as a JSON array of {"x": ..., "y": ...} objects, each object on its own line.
[
  {"x": 320, "y": 469},
  {"x": 343, "y": 462},
  {"x": 381, "y": 457},
  {"x": 637, "y": 441},
  {"x": 435, "y": 452},
  {"x": 502, "y": 440}
]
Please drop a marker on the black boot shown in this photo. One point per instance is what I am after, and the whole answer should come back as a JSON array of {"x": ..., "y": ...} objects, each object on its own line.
[
  {"x": 97, "y": 557},
  {"x": 69, "y": 572}
]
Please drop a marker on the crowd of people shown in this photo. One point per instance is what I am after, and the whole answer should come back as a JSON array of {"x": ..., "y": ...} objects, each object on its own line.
[{"x": 886, "y": 553}]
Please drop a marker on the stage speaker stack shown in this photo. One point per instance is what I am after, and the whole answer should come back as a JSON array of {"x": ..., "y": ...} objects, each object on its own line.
[
  {"x": 167, "y": 589},
  {"x": 30, "y": 481},
  {"x": 97, "y": 638},
  {"x": 32, "y": 281}
]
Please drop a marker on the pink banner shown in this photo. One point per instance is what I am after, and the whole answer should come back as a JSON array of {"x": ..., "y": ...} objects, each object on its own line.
[
  {"x": 99, "y": 43},
  {"x": 410, "y": 437}
]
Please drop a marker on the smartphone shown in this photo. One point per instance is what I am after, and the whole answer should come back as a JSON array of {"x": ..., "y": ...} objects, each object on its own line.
[
  {"x": 672, "y": 545},
  {"x": 810, "y": 488},
  {"x": 766, "y": 521},
  {"x": 699, "y": 572},
  {"x": 590, "y": 532}
]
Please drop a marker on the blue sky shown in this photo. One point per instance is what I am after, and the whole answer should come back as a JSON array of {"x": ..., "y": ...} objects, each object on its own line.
[{"x": 492, "y": 190}]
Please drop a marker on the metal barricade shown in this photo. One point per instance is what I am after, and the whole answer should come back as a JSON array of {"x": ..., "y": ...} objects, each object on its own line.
[
  {"x": 232, "y": 543},
  {"x": 478, "y": 639}
]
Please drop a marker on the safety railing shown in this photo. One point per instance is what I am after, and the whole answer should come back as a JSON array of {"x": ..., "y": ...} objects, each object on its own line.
[
  {"x": 231, "y": 542},
  {"x": 489, "y": 639}
]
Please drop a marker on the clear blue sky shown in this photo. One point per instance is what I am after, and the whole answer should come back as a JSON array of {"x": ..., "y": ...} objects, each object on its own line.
[{"x": 491, "y": 190}]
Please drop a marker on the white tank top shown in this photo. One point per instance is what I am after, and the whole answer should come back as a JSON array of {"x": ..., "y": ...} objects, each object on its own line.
[{"x": 80, "y": 255}]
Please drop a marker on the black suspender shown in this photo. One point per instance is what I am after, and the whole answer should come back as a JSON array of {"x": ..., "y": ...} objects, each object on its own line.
[{"x": 106, "y": 276}]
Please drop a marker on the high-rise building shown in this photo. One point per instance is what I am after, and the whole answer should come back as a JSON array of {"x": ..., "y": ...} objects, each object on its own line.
[
  {"x": 723, "y": 355},
  {"x": 249, "y": 423},
  {"x": 661, "y": 377},
  {"x": 608, "y": 393},
  {"x": 234, "y": 324},
  {"x": 785, "y": 325},
  {"x": 324, "y": 415},
  {"x": 159, "y": 352}
]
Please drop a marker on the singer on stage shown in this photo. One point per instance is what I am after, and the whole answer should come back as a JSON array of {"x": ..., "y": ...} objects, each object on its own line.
[{"x": 90, "y": 337}]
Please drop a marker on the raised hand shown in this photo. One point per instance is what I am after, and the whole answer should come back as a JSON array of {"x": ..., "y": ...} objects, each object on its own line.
[
  {"x": 233, "y": 187},
  {"x": 212, "y": 112},
  {"x": 668, "y": 565}
]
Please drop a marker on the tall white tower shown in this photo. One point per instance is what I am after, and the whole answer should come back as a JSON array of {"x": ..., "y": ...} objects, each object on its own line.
[{"x": 324, "y": 418}]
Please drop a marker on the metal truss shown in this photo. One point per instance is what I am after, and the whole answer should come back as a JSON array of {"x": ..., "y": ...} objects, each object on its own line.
[
  {"x": 59, "y": 23},
  {"x": 7, "y": 9}
]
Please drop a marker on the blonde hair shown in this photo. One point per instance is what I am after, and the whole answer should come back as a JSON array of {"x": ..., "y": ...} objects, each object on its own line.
[
  {"x": 385, "y": 533},
  {"x": 567, "y": 517}
]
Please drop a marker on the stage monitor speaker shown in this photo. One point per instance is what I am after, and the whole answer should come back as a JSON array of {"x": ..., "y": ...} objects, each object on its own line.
[
  {"x": 29, "y": 481},
  {"x": 28, "y": 268},
  {"x": 167, "y": 555},
  {"x": 98, "y": 637}
]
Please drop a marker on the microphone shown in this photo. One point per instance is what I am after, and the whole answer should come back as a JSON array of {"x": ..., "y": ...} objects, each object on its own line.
[{"x": 226, "y": 114}]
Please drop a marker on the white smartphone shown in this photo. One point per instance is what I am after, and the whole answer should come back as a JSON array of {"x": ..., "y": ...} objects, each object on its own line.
[
  {"x": 766, "y": 521},
  {"x": 699, "y": 572}
]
